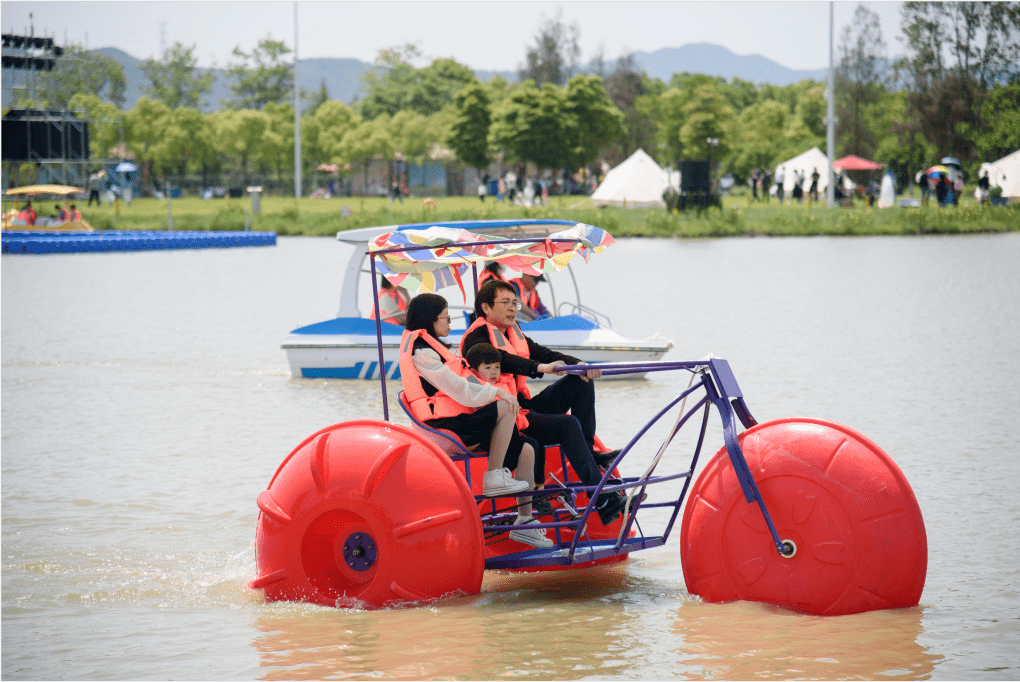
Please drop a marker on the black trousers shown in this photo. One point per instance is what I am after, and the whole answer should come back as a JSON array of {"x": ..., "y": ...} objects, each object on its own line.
[{"x": 575, "y": 432}]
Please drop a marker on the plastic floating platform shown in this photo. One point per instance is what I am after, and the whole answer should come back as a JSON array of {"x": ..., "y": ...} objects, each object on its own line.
[{"x": 83, "y": 242}]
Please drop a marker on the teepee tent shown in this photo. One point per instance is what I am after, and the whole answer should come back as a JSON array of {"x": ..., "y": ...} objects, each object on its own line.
[
  {"x": 638, "y": 182},
  {"x": 1004, "y": 173},
  {"x": 806, "y": 163}
]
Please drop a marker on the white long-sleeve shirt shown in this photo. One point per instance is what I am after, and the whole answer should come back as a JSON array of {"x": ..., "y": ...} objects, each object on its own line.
[{"x": 469, "y": 392}]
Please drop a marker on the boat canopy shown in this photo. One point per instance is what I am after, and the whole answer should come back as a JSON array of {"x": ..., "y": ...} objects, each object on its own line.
[
  {"x": 438, "y": 256},
  {"x": 492, "y": 229}
]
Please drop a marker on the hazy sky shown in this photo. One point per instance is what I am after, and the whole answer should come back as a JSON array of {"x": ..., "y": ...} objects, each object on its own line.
[{"x": 480, "y": 34}]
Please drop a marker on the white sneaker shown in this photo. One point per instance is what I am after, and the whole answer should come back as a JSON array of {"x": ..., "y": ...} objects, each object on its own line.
[
  {"x": 502, "y": 482},
  {"x": 531, "y": 536}
]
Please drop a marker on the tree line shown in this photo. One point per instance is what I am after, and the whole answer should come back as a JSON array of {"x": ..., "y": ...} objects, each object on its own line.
[{"x": 955, "y": 92}]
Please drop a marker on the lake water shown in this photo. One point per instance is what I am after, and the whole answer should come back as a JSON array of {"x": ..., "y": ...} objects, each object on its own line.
[{"x": 146, "y": 403}]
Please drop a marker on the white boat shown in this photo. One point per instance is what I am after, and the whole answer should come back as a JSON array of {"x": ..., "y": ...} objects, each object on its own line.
[{"x": 345, "y": 347}]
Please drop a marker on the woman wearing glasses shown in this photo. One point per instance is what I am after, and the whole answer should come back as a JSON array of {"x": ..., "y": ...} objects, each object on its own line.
[{"x": 442, "y": 393}]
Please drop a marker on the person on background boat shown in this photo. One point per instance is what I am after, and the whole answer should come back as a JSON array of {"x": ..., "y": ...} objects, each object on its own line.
[
  {"x": 533, "y": 307},
  {"x": 484, "y": 359},
  {"x": 493, "y": 270},
  {"x": 61, "y": 214},
  {"x": 28, "y": 214},
  {"x": 393, "y": 302},
  {"x": 442, "y": 393},
  {"x": 75, "y": 213},
  {"x": 496, "y": 309}
]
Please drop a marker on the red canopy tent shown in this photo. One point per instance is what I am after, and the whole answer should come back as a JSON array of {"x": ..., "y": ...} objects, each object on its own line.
[{"x": 853, "y": 163}]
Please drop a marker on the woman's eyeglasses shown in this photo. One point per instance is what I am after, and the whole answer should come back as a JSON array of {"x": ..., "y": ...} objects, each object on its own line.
[{"x": 444, "y": 318}]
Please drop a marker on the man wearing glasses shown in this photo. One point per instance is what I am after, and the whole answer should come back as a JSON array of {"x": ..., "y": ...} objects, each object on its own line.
[{"x": 496, "y": 308}]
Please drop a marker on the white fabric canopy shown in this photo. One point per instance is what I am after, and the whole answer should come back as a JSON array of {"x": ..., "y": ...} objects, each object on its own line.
[
  {"x": 638, "y": 182},
  {"x": 806, "y": 163},
  {"x": 1004, "y": 173}
]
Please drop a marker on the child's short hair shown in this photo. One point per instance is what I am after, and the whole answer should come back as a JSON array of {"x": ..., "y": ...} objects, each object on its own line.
[{"x": 482, "y": 354}]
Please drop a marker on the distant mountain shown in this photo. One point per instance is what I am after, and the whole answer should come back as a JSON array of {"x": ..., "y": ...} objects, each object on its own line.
[
  {"x": 341, "y": 75},
  {"x": 343, "y": 80},
  {"x": 715, "y": 60}
]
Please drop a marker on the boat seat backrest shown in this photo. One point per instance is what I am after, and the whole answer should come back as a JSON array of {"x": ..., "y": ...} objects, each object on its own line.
[{"x": 447, "y": 440}]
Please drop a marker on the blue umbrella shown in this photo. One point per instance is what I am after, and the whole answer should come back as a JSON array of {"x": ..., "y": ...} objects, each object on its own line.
[{"x": 126, "y": 167}]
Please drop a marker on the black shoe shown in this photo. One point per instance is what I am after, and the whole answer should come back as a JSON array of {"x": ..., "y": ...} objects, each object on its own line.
[
  {"x": 542, "y": 506},
  {"x": 612, "y": 508},
  {"x": 605, "y": 459}
]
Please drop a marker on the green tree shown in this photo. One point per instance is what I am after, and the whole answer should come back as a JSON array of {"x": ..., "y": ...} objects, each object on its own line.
[
  {"x": 1001, "y": 108},
  {"x": 624, "y": 86},
  {"x": 469, "y": 136},
  {"x": 756, "y": 136},
  {"x": 175, "y": 80},
  {"x": 859, "y": 82},
  {"x": 78, "y": 71},
  {"x": 323, "y": 130},
  {"x": 707, "y": 114},
  {"x": 106, "y": 123},
  {"x": 239, "y": 137},
  {"x": 592, "y": 118},
  {"x": 315, "y": 99},
  {"x": 398, "y": 86},
  {"x": 184, "y": 143},
  {"x": 371, "y": 139},
  {"x": 554, "y": 55},
  {"x": 262, "y": 76},
  {"x": 277, "y": 148},
  {"x": 530, "y": 126},
  {"x": 945, "y": 95},
  {"x": 145, "y": 126}
]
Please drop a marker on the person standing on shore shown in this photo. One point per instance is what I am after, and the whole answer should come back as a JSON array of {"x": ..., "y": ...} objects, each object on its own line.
[{"x": 95, "y": 185}]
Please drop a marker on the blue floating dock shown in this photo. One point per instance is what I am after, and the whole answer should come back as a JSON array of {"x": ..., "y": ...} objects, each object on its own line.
[{"x": 111, "y": 240}]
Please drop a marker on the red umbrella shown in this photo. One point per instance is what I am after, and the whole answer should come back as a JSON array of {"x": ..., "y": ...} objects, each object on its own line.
[{"x": 855, "y": 163}]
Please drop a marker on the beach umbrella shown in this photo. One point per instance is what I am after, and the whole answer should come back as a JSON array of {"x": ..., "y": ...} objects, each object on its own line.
[
  {"x": 934, "y": 171},
  {"x": 126, "y": 167}
]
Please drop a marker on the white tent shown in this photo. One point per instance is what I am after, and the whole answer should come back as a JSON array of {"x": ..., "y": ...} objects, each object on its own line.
[
  {"x": 1004, "y": 173},
  {"x": 637, "y": 182},
  {"x": 806, "y": 163}
]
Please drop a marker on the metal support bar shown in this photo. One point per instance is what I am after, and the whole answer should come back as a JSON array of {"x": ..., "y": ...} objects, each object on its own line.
[{"x": 378, "y": 339}]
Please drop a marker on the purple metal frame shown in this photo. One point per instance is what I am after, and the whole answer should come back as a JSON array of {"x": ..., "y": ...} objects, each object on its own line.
[{"x": 721, "y": 390}]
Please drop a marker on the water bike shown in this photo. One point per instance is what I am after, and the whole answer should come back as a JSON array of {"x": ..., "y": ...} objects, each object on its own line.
[{"x": 800, "y": 512}]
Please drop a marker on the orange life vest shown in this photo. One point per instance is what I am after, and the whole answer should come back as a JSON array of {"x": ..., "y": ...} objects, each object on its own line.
[
  {"x": 423, "y": 406},
  {"x": 509, "y": 384},
  {"x": 516, "y": 344},
  {"x": 397, "y": 298},
  {"x": 487, "y": 275},
  {"x": 529, "y": 297}
]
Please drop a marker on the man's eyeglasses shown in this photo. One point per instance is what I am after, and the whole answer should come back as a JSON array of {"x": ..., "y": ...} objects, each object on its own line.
[{"x": 510, "y": 303}]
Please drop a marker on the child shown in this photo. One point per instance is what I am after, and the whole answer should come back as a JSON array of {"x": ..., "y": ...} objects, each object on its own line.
[{"x": 484, "y": 361}]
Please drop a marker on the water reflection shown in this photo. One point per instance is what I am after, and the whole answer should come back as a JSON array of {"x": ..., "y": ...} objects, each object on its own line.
[
  {"x": 562, "y": 625},
  {"x": 745, "y": 640}
]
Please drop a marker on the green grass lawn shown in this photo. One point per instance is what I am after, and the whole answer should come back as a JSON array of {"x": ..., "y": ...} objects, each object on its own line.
[{"x": 738, "y": 217}]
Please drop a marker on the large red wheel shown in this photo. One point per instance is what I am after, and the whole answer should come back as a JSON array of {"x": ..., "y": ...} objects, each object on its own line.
[
  {"x": 367, "y": 512},
  {"x": 859, "y": 538}
]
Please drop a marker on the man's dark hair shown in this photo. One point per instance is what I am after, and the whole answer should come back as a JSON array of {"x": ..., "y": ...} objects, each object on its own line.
[
  {"x": 482, "y": 354},
  {"x": 487, "y": 294},
  {"x": 423, "y": 311}
]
